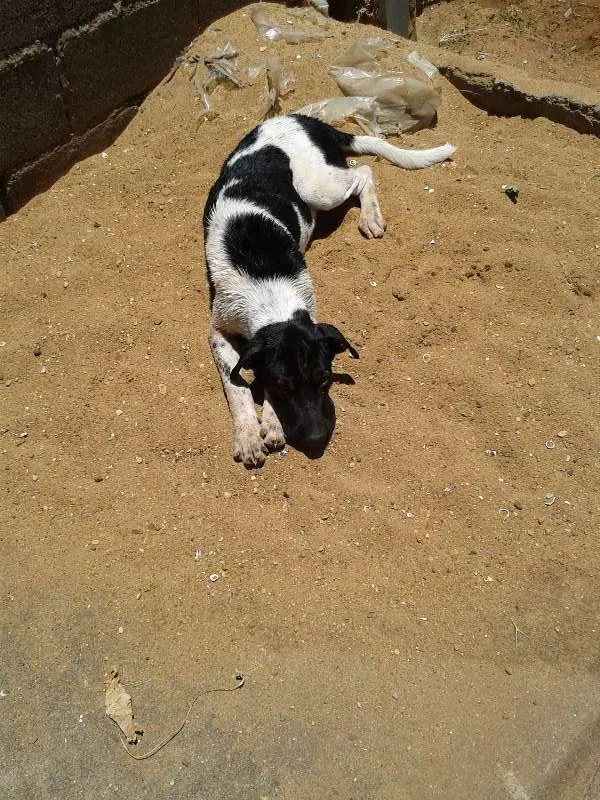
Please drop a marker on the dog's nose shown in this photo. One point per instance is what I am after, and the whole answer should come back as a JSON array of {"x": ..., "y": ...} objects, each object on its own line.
[{"x": 316, "y": 439}]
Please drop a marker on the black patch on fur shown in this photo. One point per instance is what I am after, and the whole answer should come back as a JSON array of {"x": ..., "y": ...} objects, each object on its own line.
[
  {"x": 255, "y": 244},
  {"x": 331, "y": 142},
  {"x": 269, "y": 174},
  {"x": 261, "y": 248},
  {"x": 264, "y": 177}
]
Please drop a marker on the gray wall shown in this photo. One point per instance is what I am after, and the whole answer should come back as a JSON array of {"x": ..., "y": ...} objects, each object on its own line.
[{"x": 72, "y": 74}]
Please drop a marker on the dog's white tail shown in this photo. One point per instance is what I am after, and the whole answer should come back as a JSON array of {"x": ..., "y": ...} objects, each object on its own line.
[{"x": 408, "y": 159}]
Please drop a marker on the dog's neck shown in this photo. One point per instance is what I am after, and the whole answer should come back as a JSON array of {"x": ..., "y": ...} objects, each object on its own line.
[{"x": 278, "y": 299}]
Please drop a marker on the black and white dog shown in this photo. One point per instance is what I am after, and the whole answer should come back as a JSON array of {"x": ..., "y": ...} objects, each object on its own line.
[{"x": 258, "y": 221}]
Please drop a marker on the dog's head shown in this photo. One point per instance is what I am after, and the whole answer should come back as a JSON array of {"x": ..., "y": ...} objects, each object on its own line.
[{"x": 292, "y": 361}]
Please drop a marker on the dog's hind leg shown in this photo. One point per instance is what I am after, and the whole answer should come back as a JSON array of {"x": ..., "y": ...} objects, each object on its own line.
[
  {"x": 248, "y": 447},
  {"x": 371, "y": 222},
  {"x": 329, "y": 188}
]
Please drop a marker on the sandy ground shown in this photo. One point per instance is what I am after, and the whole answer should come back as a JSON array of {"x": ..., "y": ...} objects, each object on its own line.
[
  {"x": 371, "y": 598},
  {"x": 555, "y": 39}
]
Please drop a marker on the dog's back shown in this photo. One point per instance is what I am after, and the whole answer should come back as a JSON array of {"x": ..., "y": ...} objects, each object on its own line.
[{"x": 257, "y": 226}]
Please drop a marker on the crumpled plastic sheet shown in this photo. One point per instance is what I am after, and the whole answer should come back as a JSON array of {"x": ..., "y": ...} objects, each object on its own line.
[
  {"x": 279, "y": 84},
  {"x": 379, "y": 100},
  {"x": 338, "y": 110},
  {"x": 222, "y": 66},
  {"x": 274, "y": 31}
]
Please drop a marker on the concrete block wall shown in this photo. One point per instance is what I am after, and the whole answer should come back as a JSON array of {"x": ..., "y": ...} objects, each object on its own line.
[{"x": 72, "y": 74}]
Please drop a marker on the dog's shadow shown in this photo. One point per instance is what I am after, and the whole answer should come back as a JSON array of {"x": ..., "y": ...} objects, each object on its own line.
[
  {"x": 258, "y": 395},
  {"x": 329, "y": 221},
  {"x": 343, "y": 378}
]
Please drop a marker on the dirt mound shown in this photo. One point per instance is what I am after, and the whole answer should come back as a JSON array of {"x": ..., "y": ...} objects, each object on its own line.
[{"x": 370, "y": 597}]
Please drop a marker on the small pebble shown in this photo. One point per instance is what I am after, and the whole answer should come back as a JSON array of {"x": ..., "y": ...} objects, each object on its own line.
[
  {"x": 37, "y": 351},
  {"x": 531, "y": 382},
  {"x": 98, "y": 478},
  {"x": 138, "y": 459},
  {"x": 518, "y": 505},
  {"x": 561, "y": 434},
  {"x": 118, "y": 412},
  {"x": 162, "y": 388},
  {"x": 214, "y": 577}
]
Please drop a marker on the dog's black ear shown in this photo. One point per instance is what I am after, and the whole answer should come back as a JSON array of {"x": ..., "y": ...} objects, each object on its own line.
[
  {"x": 250, "y": 358},
  {"x": 336, "y": 340}
]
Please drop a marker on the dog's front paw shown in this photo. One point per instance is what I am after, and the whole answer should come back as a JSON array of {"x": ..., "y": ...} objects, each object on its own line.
[
  {"x": 372, "y": 223},
  {"x": 272, "y": 434},
  {"x": 249, "y": 447}
]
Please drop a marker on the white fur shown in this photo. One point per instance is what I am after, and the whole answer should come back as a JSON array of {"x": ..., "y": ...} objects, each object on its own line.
[
  {"x": 407, "y": 159},
  {"x": 243, "y": 305}
]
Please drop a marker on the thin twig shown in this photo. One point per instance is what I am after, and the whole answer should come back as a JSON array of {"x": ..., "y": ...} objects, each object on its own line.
[
  {"x": 517, "y": 632},
  {"x": 240, "y": 680}
]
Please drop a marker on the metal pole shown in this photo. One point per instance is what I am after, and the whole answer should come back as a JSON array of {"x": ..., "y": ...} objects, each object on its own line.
[{"x": 400, "y": 17}]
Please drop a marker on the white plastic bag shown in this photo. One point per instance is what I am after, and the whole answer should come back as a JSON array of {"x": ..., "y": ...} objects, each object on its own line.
[
  {"x": 274, "y": 31},
  {"x": 279, "y": 84},
  {"x": 381, "y": 100}
]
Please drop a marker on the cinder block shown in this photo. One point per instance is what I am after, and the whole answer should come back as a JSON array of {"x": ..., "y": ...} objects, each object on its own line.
[
  {"x": 32, "y": 116},
  {"x": 22, "y": 22},
  {"x": 122, "y": 55},
  {"x": 39, "y": 175},
  {"x": 77, "y": 12}
]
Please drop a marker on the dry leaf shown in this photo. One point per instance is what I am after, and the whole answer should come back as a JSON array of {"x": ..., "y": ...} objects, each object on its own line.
[{"x": 119, "y": 708}]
